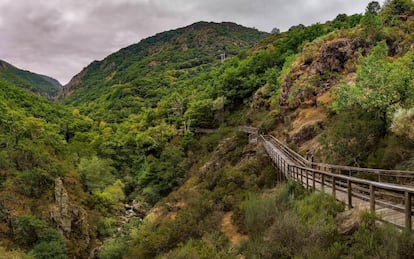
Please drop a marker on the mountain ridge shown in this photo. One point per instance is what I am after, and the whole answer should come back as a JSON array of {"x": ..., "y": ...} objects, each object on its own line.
[
  {"x": 37, "y": 83},
  {"x": 230, "y": 38}
]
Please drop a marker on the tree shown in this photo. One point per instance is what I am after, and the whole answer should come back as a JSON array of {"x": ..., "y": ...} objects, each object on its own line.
[
  {"x": 397, "y": 7},
  {"x": 50, "y": 246},
  {"x": 371, "y": 27},
  {"x": 49, "y": 250},
  {"x": 381, "y": 86},
  {"x": 341, "y": 18},
  {"x": 297, "y": 27},
  {"x": 275, "y": 31},
  {"x": 28, "y": 229},
  {"x": 373, "y": 8},
  {"x": 402, "y": 123},
  {"x": 96, "y": 173}
]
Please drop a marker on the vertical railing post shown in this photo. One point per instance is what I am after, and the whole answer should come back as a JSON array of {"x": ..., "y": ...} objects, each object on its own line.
[
  {"x": 289, "y": 168},
  {"x": 323, "y": 182},
  {"x": 313, "y": 180},
  {"x": 408, "y": 210},
  {"x": 307, "y": 179},
  {"x": 301, "y": 176},
  {"x": 296, "y": 174},
  {"x": 333, "y": 186},
  {"x": 278, "y": 176},
  {"x": 372, "y": 198},
  {"x": 349, "y": 195}
]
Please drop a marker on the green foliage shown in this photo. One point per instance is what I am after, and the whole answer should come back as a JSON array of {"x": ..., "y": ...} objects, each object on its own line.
[
  {"x": 49, "y": 250},
  {"x": 259, "y": 213},
  {"x": 38, "y": 84},
  {"x": 210, "y": 246},
  {"x": 315, "y": 207},
  {"x": 106, "y": 227},
  {"x": 113, "y": 248},
  {"x": 402, "y": 123},
  {"x": 373, "y": 8},
  {"x": 381, "y": 86},
  {"x": 307, "y": 229},
  {"x": 140, "y": 75},
  {"x": 51, "y": 245},
  {"x": 352, "y": 136},
  {"x": 28, "y": 230},
  {"x": 372, "y": 27},
  {"x": 373, "y": 241},
  {"x": 138, "y": 140},
  {"x": 391, "y": 151},
  {"x": 97, "y": 173},
  {"x": 33, "y": 182},
  {"x": 285, "y": 221},
  {"x": 191, "y": 222},
  {"x": 393, "y": 8},
  {"x": 110, "y": 199}
]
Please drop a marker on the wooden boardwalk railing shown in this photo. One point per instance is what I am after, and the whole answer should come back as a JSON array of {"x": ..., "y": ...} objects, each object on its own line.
[
  {"x": 392, "y": 201},
  {"x": 378, "y": 175},
  {"x": 382, "y": 191}
]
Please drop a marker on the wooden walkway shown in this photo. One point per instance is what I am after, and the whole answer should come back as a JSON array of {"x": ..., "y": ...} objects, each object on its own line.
[
  {"x": 391, "y": 201},
  {"x": 384, "y": 191}
]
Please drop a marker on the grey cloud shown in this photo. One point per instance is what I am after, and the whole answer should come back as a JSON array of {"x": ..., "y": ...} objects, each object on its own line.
[{"x": 60, "y": 37}]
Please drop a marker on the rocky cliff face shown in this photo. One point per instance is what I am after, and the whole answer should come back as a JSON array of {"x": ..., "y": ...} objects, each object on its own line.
[
  {"x": 319, "y": 72},
  {"x": 71, "y": 220},
  {"x": 61, "y": 210}
]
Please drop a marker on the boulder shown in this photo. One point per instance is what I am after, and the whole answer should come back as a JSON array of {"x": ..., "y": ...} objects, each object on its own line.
[{"x": 348, "y": 222}]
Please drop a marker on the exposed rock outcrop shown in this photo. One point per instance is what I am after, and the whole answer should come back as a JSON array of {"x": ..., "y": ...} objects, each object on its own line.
[
  {"x": 261, "y": 99},
  {"x": 61, "y": 212},
  {"x": 140, "y": 208},
  {"x": 306, "y": 132},
  {"x": 70, "y": 219},
  {"x": 348, "y": 221},
  {"x": 307, "y": 81}
]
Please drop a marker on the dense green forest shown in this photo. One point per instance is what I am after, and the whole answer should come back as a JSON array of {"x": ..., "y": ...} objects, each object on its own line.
[
  {"x": 39, "y": 84},
  {"x": 115, "y": 167}
]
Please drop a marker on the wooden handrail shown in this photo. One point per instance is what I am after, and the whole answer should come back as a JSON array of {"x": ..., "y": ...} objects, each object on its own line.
[
  {"x": 401, "y": 177},
  {"x": 397, "y": 198}
]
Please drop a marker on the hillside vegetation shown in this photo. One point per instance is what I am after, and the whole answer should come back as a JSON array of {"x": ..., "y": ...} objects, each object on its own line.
[
  {"x": 116, "y": 168},
  {"x": 38, "y": 84}
]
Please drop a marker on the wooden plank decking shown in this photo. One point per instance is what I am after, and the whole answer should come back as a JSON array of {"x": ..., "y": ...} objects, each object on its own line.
[
  {"x": 392, "y": 202},
  {"x": 385, "y": 192}
]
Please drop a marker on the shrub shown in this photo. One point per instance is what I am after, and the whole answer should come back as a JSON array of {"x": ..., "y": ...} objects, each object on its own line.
[
  {"x": 210, "y": 246},
  {"x": 402, "y": 123},
  {"x": 106, "y": 227},
  {"x": 28, "y": 229},
  {"x": 49, "y": 250},
  {"x": 259, "y": 213},
  {"x": 113, "y": 248},
  {"x": 96, "y": 173}
]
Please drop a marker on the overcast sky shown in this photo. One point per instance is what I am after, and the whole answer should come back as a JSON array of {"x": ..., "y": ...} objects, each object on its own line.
[{"x": 60, "y": 37}]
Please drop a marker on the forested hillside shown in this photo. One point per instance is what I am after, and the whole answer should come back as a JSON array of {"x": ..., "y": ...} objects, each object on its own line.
[
  {"x": 35, "y": 155},
  {"x": 137, "y": 77},
  {"x": 116, "y": 169},
  {"x": 38, "y": 84}
]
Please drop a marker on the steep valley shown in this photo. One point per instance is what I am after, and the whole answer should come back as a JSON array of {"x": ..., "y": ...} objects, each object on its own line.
[{"x": 139, "y": 156}]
